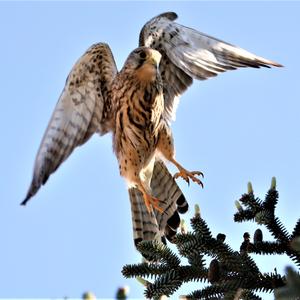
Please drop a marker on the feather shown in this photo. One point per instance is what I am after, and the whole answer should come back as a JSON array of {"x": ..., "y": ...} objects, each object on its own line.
[
  {"x": 188, "y": 54},
  {"x": 79, "y": 113},
  {"x": 155, "y": 225}
]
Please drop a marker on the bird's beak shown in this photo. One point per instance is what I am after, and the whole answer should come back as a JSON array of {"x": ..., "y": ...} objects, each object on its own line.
[{"x": 155, "y": 57}]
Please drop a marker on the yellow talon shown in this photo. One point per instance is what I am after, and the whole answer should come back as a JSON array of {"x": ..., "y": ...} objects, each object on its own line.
[
  {"x": 152, "y": 202},
  {"x": 186, "y": 175}
]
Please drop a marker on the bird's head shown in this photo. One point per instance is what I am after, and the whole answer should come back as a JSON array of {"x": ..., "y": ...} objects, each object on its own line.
[{"x": 143, "y": 61}]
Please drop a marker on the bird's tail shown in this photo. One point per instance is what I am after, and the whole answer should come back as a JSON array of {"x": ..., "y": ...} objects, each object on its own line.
[{"x": 156, "y": 225}]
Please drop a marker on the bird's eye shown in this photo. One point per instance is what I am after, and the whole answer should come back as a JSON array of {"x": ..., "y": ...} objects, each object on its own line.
[{"x": 142, "y": 55}]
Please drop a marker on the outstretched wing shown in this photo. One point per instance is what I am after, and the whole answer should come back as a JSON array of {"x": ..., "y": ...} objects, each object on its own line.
[
  {"x": 82, "y": 109},
  {"x": 187, "y": 54}
]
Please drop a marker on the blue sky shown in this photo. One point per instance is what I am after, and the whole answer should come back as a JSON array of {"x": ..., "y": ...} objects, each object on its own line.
[{"x": 75, "y": 235}]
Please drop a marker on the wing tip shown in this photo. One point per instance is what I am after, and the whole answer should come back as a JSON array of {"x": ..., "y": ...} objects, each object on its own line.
[
  {"x": 270, "y": 63},
  {"x": 275, "y": 64},
  {"x": 31, "y": 192},
  {"x": 24, "y": 202}
]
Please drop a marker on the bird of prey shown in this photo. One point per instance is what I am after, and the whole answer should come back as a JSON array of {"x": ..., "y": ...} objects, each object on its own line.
[{"x": 137, "y": 105}]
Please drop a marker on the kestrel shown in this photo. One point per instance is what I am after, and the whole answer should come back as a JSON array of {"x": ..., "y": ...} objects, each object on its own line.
[{"x": 137, "y": 105}]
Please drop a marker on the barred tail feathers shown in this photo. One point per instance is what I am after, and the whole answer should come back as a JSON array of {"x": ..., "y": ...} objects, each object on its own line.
[{"x": 156, "y": 225}]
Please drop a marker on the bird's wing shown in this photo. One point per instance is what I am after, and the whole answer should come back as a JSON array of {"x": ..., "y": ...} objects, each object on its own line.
[
  {"x": 188, "y": 54},
  {"x": 79, "y": 112},
  {"x": 156, "y": 225}
]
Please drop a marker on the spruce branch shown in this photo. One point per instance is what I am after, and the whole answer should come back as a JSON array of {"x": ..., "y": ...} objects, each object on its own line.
[
  {"x": 155, "y": 251},
  {"x": 248, "y": 295},
  {"x": 231, "y": 274},
  {"x": 292, "y": 288},
  {"x": 144, "y": 270},
  {"x": 296, "y": 231},
  {"x": 166, "y": 284}
]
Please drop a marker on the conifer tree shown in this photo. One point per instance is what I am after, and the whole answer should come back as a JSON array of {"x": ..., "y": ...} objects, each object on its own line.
[{"x": 229, "y": 274}]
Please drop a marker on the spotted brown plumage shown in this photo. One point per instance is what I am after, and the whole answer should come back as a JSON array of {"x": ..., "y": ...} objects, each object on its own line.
[
  {"x": 137, "y": 105},
  {"x": 84, "y": 107}
]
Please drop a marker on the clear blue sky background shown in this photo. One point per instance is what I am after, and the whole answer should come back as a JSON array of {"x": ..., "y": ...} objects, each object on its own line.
[{"x": 75, "y": 235}]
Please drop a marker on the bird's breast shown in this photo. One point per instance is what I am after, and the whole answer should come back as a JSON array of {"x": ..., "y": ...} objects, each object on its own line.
[
  {"x": 145, "y": 108},
  {"x": 138, "y": 117}
]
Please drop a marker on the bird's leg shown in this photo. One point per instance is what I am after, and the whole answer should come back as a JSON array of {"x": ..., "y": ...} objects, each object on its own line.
[
  {"x": 150, "y": 201},
  {"x": 166, "y": 146},
  {"x": 187, "y": 175}
]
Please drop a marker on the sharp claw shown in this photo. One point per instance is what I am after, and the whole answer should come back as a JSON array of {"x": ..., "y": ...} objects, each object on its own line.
[
  {"x": 198, "y": 173},
  {"x": 190, "y": 175},
  {"x": 201, "y": 174}
]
